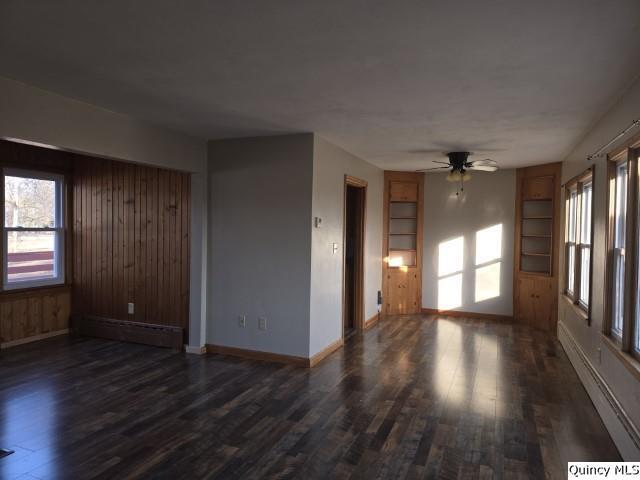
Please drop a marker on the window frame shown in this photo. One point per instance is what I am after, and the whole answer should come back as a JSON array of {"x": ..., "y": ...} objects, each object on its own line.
[
  {"x": 576, "y": 242},
  {"x": 624, "y": 342},
  {"x": 59, "y": 230}
]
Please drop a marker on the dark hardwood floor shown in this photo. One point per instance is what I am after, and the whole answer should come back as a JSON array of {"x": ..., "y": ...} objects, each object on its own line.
[{"x": 414, "y": 397}]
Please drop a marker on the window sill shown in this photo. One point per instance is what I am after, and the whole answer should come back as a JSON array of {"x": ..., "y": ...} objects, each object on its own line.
[
  {"x": 627, "y": 360},
  {"x": 578, "y": 310},
  {"x": 42, "y": 290}
]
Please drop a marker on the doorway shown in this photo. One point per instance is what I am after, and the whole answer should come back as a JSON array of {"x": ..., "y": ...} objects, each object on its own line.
[{"x": 354, "y": 227}]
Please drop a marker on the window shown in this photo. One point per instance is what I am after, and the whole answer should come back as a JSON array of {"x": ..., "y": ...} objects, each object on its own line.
[
  {"x": 578, "y": 199},
  {"x": 33, "y": 242},
  {"x": 623, "y": 299},
  {"x": 619, "y": 239}
]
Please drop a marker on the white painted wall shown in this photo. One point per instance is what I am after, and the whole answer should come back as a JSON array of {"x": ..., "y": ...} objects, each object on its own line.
[
  {"x": 260, "y": 242},
  {"x": 488, "y": 199},
  {"x": 330, "y": 165},
  {"x": 620, "y": 381},
  {"x": 34, "y": 115}
]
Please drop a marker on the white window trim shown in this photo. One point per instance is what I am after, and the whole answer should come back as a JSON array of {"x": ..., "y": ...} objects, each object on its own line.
[{"x": 59, "y": 254}]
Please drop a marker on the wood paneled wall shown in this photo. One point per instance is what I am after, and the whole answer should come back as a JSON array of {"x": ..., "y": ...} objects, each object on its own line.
[
  {"x": 127, "y": 240},
  {"x": 131, "y": 242},
  {"x": 30, "y": 314},
  {"x": 36, "y": 312}
]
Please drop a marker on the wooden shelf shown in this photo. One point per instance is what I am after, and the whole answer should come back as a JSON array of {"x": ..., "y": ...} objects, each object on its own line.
[
  {"x": 403, "y": 218},
  {"x": 535, "y": 236},
  {"x": 402, "y": 249},
  {"x": 540, "y": 217},
  {"x": 409, "y": 233},
  {"x": 536, "y": 254}
]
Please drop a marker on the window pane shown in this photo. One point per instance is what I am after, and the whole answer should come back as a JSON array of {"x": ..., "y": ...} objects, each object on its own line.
[
  {"x": 618, "y": 292},
  {"x": 30, "y": 255},
  {"x": 618, "y": 251},
  {"x": 584, "y": 274},
  {"x": 29, "y": 202},
  {"x": 585, "y": 220},
  {"x": 571, "y": 262},
  {"x": 621, "y": 205},
  {"x": 572, "y": 216}
]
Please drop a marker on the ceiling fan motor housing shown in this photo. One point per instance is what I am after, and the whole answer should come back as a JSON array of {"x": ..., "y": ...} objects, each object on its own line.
[{"x": 458, "y": 160}]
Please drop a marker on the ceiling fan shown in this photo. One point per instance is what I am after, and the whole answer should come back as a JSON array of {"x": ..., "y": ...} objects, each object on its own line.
[{"x": 460, "y": 165}]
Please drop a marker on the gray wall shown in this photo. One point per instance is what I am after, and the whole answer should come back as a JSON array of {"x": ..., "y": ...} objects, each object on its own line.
[
  {"x": 260, "y": 242},
  {"x": 330, "y": 165},
  {"x": 488, "y": 200},
  {"x": 572, "y": 328},
  {"x": 37, "y": 116}
]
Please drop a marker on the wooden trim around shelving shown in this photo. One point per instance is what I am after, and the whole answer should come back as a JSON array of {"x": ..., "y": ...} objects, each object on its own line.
[{"x": 457, "y": 313}]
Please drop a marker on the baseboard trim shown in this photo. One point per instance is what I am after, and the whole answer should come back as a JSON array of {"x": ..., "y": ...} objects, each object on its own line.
[
  {"x": 456, "y": 313},
  {"x": 276, "y": 357},
  {"x": 321, "y": 355},
  {"x": 33, "y": 338},
  {"x": 258, "y": 355},
  {"x": 623, "y": 431},
  {"x": 195, "y": 350},
  {"x": 372, "y": 321}
]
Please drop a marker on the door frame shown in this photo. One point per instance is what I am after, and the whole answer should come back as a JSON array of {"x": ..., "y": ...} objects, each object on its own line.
[{"x": 359, "y": 270}]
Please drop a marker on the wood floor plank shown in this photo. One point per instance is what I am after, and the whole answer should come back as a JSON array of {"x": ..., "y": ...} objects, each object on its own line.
[{"x": 413, "y": 397}]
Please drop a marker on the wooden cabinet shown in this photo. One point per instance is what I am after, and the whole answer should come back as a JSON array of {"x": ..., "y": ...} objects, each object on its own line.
[
  {"x": 536, "y": 250},
  {"x": 402, "y": 291},
  {"x": 403, "y": 192},
  {"x": 536, "y": 302},
  {"x": 402, "y": 243},
  {"x": 538, "y": 187}
]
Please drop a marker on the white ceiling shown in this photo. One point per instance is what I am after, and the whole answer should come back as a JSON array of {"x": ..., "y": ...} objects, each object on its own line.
[{"x": 520, "y": 81}]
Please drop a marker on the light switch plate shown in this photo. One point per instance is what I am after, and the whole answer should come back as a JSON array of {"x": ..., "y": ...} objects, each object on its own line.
[
  {"x": 262, "y": 323},
  {"x": 318, "y": 222},
  {"x": 131, "y": 308}
]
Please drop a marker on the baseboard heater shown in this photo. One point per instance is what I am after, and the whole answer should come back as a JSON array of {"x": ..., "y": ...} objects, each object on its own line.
[{"x": 128, "y": 331}]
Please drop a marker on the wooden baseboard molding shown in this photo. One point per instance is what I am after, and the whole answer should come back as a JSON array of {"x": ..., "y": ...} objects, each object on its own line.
[
  {"x": 324, "y": 353},
  {"x": 34, "y": 338},
  {"x": 276, "y": 357},
  {"x": 456, "y": 313},
  {"x": 625, "y": 434},
  {"x": 127, "y": 331},
  {"x": 372, "y": 321}
]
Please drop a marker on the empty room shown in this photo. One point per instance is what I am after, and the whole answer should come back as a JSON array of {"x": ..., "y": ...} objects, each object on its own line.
[{"x": 320, "y": 240}]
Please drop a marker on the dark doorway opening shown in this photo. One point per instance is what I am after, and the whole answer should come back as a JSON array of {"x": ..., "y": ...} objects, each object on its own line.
[{"x": 354, "y": 255}]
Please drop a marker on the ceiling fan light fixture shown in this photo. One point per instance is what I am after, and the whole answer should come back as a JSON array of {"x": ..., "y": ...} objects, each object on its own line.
[
  {"x": 466, "y": 176},
  {"x": 454, "y": 176}
]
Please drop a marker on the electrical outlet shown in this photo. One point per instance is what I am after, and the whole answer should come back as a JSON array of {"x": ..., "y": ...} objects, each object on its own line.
[
  {"x": 262, "y": 323},
  {"x": 131, "y": 308},
  {"x": 242, "y": 321}
]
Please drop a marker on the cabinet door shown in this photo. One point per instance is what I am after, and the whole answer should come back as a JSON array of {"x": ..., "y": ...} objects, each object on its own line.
[
  {"x": 402, "y": 291},
  {"x": 403, "y": 192},
  {"x": 545, "y": 302},
  {"x": 526, "y": 300},
  {"x": 537, "y": 188},
  {"x": 535, "y": 303}
]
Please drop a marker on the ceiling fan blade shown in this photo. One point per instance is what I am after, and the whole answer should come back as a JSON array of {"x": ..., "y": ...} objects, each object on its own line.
[
  {"x": 483, "y": 168},
  {"x": 486, "y": 162},
  {"x": 438, "y": 161},
  {"x": 434, "y": 168}
]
